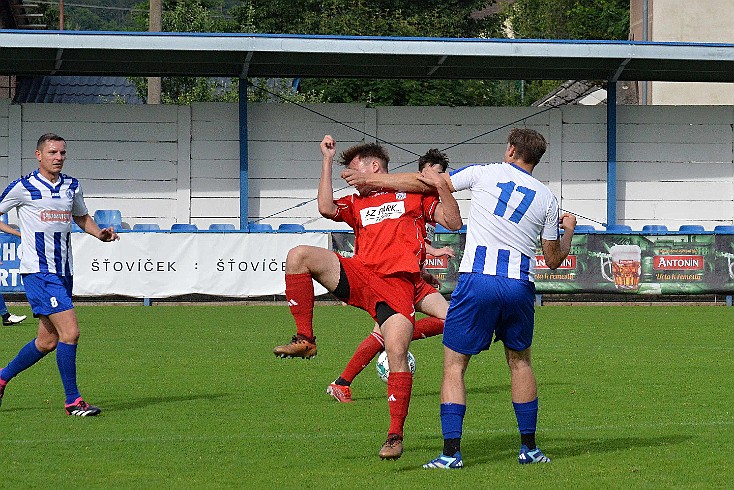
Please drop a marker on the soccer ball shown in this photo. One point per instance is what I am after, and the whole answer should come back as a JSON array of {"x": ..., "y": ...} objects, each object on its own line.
[{"x": 383, "y": 368}]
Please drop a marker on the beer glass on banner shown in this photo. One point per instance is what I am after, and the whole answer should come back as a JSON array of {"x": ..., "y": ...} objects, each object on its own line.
[{"x": 624, "y": 265}]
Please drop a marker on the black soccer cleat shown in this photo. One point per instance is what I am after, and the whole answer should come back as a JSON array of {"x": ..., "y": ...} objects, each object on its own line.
[{"x": 80, "y": 408}]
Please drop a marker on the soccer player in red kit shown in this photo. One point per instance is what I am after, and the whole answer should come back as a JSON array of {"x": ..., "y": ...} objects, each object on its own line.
[
  {"x": 384, "y": 275},
  {"x": 424, "y": 328}
]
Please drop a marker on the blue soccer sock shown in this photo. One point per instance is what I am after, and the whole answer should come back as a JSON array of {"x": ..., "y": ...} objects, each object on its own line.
[
  {"x": 66, "y": 361},
  {"x": 527, "y": 421},
  {"x": 3, "y": 307},
  {"x": 452, "y": 421},
  {"x": 27, "y": 357}
]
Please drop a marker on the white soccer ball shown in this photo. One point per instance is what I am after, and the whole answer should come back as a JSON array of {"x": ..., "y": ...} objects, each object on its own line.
[{"x": 383, "y": 368}]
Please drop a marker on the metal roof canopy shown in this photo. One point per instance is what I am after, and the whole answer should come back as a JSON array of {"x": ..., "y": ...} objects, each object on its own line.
[{"x": 279, "y": 55}]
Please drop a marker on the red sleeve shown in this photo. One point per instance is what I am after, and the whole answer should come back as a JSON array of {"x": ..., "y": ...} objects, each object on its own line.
[
  {"x": 429, "y": 207},
  {"x": 345, "y": 211}
]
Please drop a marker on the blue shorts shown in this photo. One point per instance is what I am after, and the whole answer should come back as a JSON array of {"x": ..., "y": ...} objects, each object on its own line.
[
  {"x": 484, "y": 305},
  {"x": 48, "y": 293}
]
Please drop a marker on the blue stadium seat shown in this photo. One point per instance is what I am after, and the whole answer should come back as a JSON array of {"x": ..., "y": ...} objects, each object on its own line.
[
  {"x": 291, "y": 228},
  {"x": 222, "y": 226},
  {"x": 691, "y": 228},
  {"x": 259, "y": 227},
  {"x": 618, "y": 228},
  {"x": 109, "y": 216},
  {"x": 146, "y": 227},
  {"x": 183, "y": 227},
  {"x": 724, "y": 229},
  {"x": 654, "y": 228},
  {"x": 584, "y": 228},
  {"x": 116, "y": 227}
]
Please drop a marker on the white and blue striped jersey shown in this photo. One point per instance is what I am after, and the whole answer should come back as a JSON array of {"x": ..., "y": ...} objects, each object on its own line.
[
  {"x": 45, "y": 212},
  {"x": 509, "y": 210}
]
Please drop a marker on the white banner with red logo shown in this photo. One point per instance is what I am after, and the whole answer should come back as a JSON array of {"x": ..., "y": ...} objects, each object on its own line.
[{"x": 161, "y": 265}]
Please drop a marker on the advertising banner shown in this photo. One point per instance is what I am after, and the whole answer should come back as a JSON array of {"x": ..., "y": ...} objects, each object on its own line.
[
  {"x": 160, "y": 265},
  {"x": 10, "y": 267},
  {"x": 608, "y": 263},
  {"x": 642, "y": 264}
]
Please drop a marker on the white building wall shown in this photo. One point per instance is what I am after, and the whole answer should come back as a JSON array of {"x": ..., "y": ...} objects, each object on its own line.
[
  {"x": 703, "y": 21},
  {"x": 167, "y": 164}
]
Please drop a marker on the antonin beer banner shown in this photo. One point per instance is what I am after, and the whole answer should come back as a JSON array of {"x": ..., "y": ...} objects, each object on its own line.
[{"x": 607, "y": 263}]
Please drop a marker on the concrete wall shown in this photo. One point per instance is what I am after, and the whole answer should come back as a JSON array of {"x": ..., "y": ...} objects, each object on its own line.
[{"x": 167, "y": 164}]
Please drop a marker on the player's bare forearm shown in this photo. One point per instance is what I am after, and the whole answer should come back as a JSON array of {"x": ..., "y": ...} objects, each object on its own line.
[
  {"x": 556, "y": 251},
  {"x": 439, "y": 252},
  {"x": 87, "y": 224},
  {"x": 406, "y": 182},
  {"x": 448, "y": 211},
  {"x": 325, "y": 197},
  {"x": 8, "y": 229}
]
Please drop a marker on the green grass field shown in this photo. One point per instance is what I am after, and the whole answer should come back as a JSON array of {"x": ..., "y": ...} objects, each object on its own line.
[{"x": 631, "y": 397}]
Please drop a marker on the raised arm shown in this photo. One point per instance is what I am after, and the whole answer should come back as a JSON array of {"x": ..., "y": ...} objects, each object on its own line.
[{"x": 327, "y": 208}]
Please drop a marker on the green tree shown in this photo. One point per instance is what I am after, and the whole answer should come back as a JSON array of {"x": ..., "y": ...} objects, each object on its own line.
[
  {"x": 189, "y": 16},
  {"x": 569, "y": 19},
  {"x": 406, "y": 18},
  {"x": 543, "y": 19},
  {"x": 565, "y": 19}
]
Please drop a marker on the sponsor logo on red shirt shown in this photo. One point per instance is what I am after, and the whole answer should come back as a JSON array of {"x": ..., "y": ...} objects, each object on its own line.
[
  {"x": 568, "y": 263},
  {"x": 55, "y": 216},
  {"x": 678, "y": 262}
]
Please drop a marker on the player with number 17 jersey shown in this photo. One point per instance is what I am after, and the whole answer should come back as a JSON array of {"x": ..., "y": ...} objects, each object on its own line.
[
  {"x": 389, "y": 229},
  {"x": 509, "y": 209}
]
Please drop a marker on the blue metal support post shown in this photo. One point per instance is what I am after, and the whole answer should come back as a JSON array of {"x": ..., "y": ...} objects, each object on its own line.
[
  {"x": 611, "y": 152},
  {"x": 244, "y": 162}
]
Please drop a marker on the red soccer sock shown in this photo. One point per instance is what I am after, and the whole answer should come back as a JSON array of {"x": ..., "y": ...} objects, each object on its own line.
[
  {"x": 300, "y": 296},
  {"x": 399, "y": 387},
  {"x": 366, "y": 351},
  {"x": 427, "y": 327}
]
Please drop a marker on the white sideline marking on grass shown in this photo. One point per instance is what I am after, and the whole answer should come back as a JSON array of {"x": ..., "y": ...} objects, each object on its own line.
[{"x": 350, "y": 435}]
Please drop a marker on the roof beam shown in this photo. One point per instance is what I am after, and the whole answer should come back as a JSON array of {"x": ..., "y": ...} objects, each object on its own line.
[{"x": 27, "y": 52}]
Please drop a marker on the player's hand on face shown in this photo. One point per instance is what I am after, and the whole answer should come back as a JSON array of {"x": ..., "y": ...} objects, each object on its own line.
[
  {"x": 108, "y": 235},
  {"x": 359, "y": 180},
  {"x": 328, "y": 146},
  {"x": 354, "y": 178},
  {"x": 429, "y": 176},
  {"x": 567, "y": 222}
]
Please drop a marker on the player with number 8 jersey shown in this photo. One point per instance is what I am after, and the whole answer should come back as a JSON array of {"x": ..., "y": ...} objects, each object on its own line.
[{"x": 47, "y": 201}]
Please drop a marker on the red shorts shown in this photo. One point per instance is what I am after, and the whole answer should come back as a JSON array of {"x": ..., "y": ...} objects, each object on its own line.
[{"x": 367, "y": 289}]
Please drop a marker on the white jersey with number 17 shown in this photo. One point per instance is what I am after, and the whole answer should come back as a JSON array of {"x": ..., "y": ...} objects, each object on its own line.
[
  {"x": 509, "y": 210},
  {"x": 45, "y": 211}
]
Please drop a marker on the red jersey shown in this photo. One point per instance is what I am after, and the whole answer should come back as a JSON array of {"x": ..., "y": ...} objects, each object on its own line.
[{"x": 389, "y": 228}]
